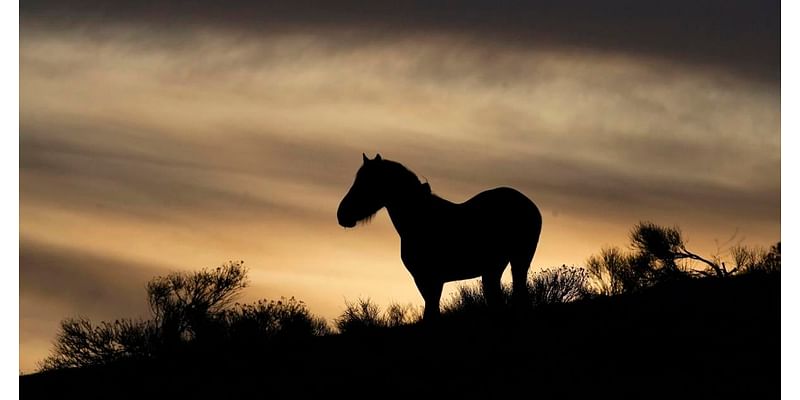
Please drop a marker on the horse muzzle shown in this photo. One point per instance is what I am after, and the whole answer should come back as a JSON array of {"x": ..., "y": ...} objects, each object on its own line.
[
  {"x": 344, "y": 221},
  {"x": 347, "y": 224}
]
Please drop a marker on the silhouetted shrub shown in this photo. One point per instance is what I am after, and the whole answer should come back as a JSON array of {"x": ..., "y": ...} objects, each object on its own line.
[
  {"x": 363, "y": 315},
  {"x": 657, "y": 252},
  {"x": 666, "y": 246},
  {"x": 274, "y": 319},
  {"x": 399, "y": 315},
  {"x": 550, "y": 286},
  {"x": 663, "y": 247},
  {"x": 185, "y": 305},
  {"x": 469, "y": 299},
  {"x": 757, "y": 259},
  {"x": 657, "y": 256},
  {"x": 559, "y": 285},
  {"x": 660, "y": 254},
  {"x": 191, "y": 311},
  {"x": 359, "y": 315},
  {"x": 612, "y": 271},
  {"x": 79, "y": 343},
  {"x": 772, "y": 261}
]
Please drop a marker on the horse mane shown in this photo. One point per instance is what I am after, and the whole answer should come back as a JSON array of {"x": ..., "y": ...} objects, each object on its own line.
[
  {"x": 426, "y": 187},
  {"x": 402, "y": 175}
]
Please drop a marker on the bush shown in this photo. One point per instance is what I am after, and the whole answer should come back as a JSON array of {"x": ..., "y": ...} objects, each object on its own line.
[
  {"x": 363, "y": 315},
  {"x": 191, "y": 311},
  {"x": 399, "y": 315},
  {"x": 559, "y": 285},
  {"x": 612, "y": 272},
  {"x": 469, "y": 299},
  {"x": 660, "y": 254},
  {"x": 275, "y": 319},
  {"x": 659, "y": 245},
  {"x": 79, "y": 343},
  {"x": 550, "y": 286},
  {"x": 757, "y": 259},
  {"x": 186, "y": 306}
]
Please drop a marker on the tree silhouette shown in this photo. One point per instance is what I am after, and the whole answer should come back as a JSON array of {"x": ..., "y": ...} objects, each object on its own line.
[
  {"x": 190, "y": 309},
  {"x": 612, "y": 271},
  {"x": 757, "y": 259},
  {"x": 660, "y": 253},
  {"x": 184, "y": 305},
  {"x": 657, "y": 252},
  {"x": 79, "y": 343}
]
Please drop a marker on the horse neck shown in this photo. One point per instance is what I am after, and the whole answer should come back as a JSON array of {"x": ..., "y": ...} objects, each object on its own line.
[{"x": 408, "y": 213}]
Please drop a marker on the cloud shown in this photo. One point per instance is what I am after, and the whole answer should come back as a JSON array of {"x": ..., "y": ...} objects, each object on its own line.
[
  {"x": 73, "y": 166},
  {"x": 83, "y": 283},
  {"x": 740, "y": 36},
  {"x": 224, "y": 125}
]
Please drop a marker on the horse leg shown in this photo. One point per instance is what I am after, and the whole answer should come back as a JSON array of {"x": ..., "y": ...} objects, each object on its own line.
[
  {"x": 431, "y": 293},
  {"x": 492, "y": 290},
  {"x": 519, "y": 275}
]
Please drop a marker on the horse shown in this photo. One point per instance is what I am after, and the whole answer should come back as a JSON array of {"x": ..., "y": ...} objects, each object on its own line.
[{"x": 442, "y": 241}]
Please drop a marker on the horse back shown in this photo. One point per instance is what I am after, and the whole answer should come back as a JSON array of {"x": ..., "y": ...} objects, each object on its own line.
[
  {"x": 493, "y": 220},
  {"x": 503, "y": 208}
]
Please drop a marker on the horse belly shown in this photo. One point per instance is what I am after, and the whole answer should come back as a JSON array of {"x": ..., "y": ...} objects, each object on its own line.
[
  {"x": 477, "y": 259},
  {"x": 451, "y": 260}
]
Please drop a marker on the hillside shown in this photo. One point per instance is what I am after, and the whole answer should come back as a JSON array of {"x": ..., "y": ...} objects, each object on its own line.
[{"x": 694, "y": 338}]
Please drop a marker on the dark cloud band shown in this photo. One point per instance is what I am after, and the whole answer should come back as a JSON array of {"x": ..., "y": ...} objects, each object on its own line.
[{"x": 740, "y": 36}]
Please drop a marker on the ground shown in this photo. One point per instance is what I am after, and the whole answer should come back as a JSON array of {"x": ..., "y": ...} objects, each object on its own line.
[{"x": 707, "y": 338}]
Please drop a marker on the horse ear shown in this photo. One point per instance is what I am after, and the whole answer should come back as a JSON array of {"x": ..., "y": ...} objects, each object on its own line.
[
  {"x": 378, "y": 157},
  {"x": 364, "y": 156}
]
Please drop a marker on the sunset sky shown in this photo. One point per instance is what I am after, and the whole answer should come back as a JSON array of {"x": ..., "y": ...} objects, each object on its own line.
[{"x": 162, "y": 137}]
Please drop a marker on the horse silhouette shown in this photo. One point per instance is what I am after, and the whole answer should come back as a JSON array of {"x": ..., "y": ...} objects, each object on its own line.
[{"x": 441, "y": 241}]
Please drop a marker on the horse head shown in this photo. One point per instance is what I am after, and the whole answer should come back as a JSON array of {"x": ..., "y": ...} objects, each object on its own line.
[{"x": 367, "y": 195}]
